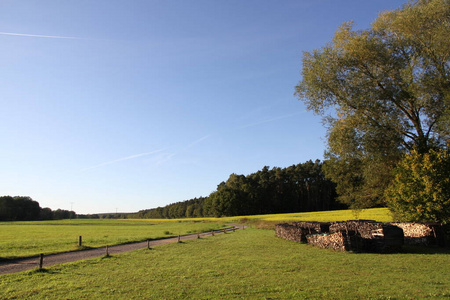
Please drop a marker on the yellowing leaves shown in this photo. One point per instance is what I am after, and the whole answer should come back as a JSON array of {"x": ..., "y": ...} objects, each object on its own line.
[{"x": 421, "y": 188}]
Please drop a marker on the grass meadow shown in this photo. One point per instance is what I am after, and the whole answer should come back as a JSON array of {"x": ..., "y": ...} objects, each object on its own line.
[
  {"x": 22, "y": 239},
  {"x": 247, "y": 264},
  {"x": 378, "y": 214},
  {"x": 269, "y": 221}
]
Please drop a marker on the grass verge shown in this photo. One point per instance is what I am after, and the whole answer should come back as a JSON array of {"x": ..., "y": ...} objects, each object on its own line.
[{"x": 248, "y": 264}]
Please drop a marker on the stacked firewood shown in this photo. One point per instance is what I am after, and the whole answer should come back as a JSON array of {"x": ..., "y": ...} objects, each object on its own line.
[
  {"x": 314, "y": 227},
  {"x": 367, "y": 229},
  {"x": 298, "y": 231},
  {"x": 371, "y": 236},
  {"x": 365, "y": 235},
  {"x": 291, "y": 232},
  {"x": 355, "y": 235},
  {"x": 421, "y": 233},
  {"x": 339, "y": 241}
]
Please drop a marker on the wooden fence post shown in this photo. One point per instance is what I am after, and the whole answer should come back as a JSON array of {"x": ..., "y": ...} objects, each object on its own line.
[
  {"x": 80, "y": 241},
  {"x": 41, "y": 261},
  {"x": 107, "y": 250},
  {"x": 148, "y": 244},
  {"x": 179, "y": 238},
  {"x": 212, "y": 233}
]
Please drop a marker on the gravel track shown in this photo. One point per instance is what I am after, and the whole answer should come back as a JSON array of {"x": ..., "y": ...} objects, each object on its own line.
[{"x": 24, "y": 264}]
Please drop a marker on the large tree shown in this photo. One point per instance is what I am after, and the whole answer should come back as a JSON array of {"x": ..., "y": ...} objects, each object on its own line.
[{"x": 383, "y": 92}]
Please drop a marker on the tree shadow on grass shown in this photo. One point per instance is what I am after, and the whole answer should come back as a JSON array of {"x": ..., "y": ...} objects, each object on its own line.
[
  {"x": 43, "y": 271},
  {"x": 416, "y": 249},
  {"x": 408, "y": 249}
]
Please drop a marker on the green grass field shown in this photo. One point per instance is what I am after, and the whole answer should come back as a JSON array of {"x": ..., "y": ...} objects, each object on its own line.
[
  {"x": 269, "y": 221},
  {"x": 21, "y": 239},
  {"x": 247, "y": 264},
  {"x": 377, "y": 214}
]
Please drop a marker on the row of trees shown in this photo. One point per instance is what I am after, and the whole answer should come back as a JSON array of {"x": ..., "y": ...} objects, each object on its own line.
[
  {"x": 193, "y": 208},
  {"x": 19, "y": 208},
  {"x": 384, "y": 94},
  {"x": 301, "y": 187},
  {"x": 104, "y": 216}
]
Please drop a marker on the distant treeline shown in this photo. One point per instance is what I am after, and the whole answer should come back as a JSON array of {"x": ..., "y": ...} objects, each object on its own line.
[
  {"x": 19, "y": 208},
  {"x": 298, "y": 188},
  {"x": 104, "y": 216}
]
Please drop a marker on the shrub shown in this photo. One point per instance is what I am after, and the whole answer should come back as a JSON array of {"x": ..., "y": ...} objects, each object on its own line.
[{"x": 420, "y": 190}]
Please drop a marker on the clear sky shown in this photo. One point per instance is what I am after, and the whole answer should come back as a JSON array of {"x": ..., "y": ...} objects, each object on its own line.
[{"x": 132, "y": 104}]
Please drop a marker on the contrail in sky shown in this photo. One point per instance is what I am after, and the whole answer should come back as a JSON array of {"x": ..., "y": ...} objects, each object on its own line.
[
  {"x": 41, "y": 36},
  {"x": 121, "y": 159},
  {"x": 169, "y": 156},
  {"x": 196, "y": 142}
]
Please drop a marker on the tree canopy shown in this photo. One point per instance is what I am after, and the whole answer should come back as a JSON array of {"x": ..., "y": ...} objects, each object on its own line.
[
  {"x": 301, "y": 187},
  {"x": 23, "y": 208},
  {"x": 383, "y": 92}
]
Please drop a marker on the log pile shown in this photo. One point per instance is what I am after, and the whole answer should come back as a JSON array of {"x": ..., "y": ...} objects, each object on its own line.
[
  {"x": 298, "y": 231},
  {"x": 314, "y": 227},
  {"x": 367, "y": 229},
  {"x": 339, "y": 241},
  {"x": 354, "y": 235},
  {"x": 291, "y": 232},
  {"x": 372, "y": 236},
  {"x": 393, "y": 238},
  {"x": 365, "y": 235},
  {"x": 422, "y": 233}
]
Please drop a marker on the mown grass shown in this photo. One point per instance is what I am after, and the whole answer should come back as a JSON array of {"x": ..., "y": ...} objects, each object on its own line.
[
  {"x": 247, "y": 264},
  {"x": 22, "y": 239}
]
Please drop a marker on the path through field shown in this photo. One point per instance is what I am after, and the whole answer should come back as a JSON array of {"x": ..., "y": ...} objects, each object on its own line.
[{"x": 19, "y": 265}]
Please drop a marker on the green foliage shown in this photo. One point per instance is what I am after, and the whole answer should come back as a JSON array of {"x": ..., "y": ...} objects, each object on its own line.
[
  {"x": 301, "y": 187},
  {"x": 247, "y": 264},
  {"x": 361, "y": 166},
  {"x": 383, "y": 92},
  {"x": 22, "y": 208},
  {"x": 193, "y": 208},
  {"x": 420, "y": 190}
]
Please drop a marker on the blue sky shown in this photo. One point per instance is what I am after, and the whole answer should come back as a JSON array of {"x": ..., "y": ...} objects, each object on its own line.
[{"x": 127, "y": 105}]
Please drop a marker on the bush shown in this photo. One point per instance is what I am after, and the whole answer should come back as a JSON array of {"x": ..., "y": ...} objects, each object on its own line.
[{"x": 420, "y": 190}]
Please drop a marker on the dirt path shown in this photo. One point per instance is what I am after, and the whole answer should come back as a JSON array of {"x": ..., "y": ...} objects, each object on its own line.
[{"x": 23, "y": 264}]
